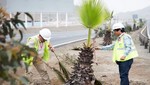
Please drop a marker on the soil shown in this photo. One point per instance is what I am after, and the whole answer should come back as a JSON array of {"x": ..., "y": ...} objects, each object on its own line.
[{"x": 107, "y": 71}]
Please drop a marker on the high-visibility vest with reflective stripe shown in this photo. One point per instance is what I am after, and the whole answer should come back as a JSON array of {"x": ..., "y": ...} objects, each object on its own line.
[
  {"x": 46, "y": 54},
  {"x": 119, "y": 49}
]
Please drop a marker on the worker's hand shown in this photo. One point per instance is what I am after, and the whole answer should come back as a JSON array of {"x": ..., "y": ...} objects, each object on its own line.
[
  {"x": 123, "y": 58},
  {"x": 52, "y": 49}
]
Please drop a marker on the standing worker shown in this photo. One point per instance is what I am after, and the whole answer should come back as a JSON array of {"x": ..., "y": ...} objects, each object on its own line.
[
  {"x": 123, "y": 52},
  {"x": 41, "y": 43}
]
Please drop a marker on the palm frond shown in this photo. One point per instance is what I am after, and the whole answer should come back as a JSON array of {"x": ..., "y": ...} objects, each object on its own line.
[
  {"x": 17, "y": 14},
  {"x": 92, "y": 13},
  {"x": 65, "y": 72},
  {"x": 29, "y": 15},
  {"x": 107, "y": 15},
  {"x": 109, "y": 18},
  {"x": 97, "y": 82},
  {"x": 21, "y": 23},
  {"x": 112, "y": 14},
  {"x": 59, "y": 74},
  {"x": 21, "y": 35}
]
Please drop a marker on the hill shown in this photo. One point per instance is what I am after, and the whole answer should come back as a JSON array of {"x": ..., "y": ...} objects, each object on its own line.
[{"x": 142, "y": 13}]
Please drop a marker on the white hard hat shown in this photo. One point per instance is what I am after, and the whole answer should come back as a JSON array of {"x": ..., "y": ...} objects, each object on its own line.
[
  {"x": 118, "y": 26},
  {"x": 45, "y": 33}
]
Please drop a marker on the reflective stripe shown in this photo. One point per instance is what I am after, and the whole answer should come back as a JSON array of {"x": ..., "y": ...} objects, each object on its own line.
[
  {"x": 124, "y": 49},
  {"x": 120, "y": 48}
]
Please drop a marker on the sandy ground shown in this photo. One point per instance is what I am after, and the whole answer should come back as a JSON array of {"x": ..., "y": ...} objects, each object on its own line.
[{"x": 106, "y": 70}]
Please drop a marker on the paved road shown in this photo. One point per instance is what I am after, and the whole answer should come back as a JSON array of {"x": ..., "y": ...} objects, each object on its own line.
[{"x": 61, "y": 38}]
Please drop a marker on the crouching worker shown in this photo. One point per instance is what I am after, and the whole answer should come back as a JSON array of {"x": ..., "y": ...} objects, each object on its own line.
[{"x": 41, "y": 43}]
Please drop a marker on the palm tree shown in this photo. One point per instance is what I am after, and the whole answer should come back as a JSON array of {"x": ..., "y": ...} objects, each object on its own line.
[
  {"x": 107, "y": 37},
  {"x": 92, "y": 14},
  {"x": 134, "y": 24}
]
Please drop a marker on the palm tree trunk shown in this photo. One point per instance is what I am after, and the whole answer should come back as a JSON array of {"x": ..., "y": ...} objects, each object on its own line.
[
  {"x": 83, "y": 72},
  {"x": 89, "y": 38},
  {"x": 107, "y": 38}
]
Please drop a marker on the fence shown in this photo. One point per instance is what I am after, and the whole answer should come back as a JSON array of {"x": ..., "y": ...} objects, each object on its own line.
[{"x": 42, "y": 19}]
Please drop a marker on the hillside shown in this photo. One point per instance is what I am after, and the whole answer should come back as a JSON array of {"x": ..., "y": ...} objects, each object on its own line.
[{"x": 142, "y": 13}]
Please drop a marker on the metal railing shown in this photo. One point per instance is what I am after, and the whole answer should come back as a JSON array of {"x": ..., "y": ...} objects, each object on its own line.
[
  {"x": 52, "y": 19},
  {"x": 148, "y": 31},
  {"x": 148, "y": 35},
  {"x": 145, "y": 37}
]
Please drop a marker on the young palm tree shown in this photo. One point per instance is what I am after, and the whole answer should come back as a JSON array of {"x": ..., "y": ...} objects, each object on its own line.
[
  {"x": 107, "y": 38},
  {"x": 92, "y": 14},
  {"x": 134, "y": 25}
]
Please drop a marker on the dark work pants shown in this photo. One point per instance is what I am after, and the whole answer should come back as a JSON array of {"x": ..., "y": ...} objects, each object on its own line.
[{"x": 124, "y": 68}]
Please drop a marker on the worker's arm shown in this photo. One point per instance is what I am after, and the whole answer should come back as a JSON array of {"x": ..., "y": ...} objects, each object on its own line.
[
  {"x": 127, "y": 45},
  {"x": 108, "y": 47}
]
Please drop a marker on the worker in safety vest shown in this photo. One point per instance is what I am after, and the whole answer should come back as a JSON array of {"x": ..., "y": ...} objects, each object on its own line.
[
  {"x": 123, "y": 51},
  {"x": 41, "y": 43}
]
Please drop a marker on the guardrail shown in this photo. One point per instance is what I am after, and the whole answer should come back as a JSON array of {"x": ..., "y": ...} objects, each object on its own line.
[
  {"x": 148, "y": 34},
  {"x": 145, "y": 38}
]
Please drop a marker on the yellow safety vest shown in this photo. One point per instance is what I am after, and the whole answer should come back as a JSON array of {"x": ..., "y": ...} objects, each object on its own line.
[
  {"x": 46, "y": 54},
  {"x": 119, "y": 50}
]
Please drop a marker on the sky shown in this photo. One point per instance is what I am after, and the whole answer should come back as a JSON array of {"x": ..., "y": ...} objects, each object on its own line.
[{"x": 123, "y": 5}]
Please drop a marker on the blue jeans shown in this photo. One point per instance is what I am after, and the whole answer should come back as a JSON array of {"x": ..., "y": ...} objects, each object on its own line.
[{"x": 124, "y": 68}]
